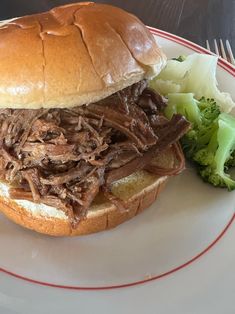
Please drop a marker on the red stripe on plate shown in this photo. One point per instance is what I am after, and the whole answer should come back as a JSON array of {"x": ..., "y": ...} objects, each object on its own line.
[
  {"x": 125, "y": 285},
  {"x": 230, "y": 69}
]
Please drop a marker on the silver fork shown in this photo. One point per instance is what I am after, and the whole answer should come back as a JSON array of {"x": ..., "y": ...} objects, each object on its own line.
[{"x": 220, "y": 50}]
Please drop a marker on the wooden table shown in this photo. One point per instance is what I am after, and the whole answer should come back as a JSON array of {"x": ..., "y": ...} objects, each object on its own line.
[{"x": 196, "y": 20}]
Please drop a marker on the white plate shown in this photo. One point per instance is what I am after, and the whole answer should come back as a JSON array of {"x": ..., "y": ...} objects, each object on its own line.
[{"x": 179, "y": 255}]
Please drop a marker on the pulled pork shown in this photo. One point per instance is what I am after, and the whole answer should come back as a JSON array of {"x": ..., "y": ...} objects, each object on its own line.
[{"x": 63, "y": 157}]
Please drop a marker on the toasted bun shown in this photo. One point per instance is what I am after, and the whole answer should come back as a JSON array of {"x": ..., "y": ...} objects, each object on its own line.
[
  {"x": 139, "y": 191},
  {"x": 73, "y": 55}
]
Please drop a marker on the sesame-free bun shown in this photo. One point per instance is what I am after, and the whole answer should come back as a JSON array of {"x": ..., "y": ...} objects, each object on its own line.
[
  {"x": 73, "y": 55},
  {"x": 138, "y": 191}
]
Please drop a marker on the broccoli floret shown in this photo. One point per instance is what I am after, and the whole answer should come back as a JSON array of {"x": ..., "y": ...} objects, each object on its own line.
[
  {"x": 211, "y": 141},
  {"x": 204, "y": 157},
  {"x": 184, "y": 104},
  {"x": 231, "y": 160},
  {"x": 203, "y": 116},
  {"x": 209, "y": 110},
  {"x": 213, "y": 159},
  {"x": 226, "y": 145},
  {"x": 180, "y": 58},
  {"x": 208, "y": 175},
  {"x": 189, "y": 143}
]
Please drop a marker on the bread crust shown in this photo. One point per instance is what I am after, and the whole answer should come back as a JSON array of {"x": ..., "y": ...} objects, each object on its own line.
[
  {"x": 73, "y": 55},
  {"x": 106, "y": 217},
  {"x": 138, "y": 191}
]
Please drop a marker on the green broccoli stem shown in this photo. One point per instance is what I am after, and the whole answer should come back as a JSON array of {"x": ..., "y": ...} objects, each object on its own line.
[
  {"x": 226, "y": 144},
  {"x": 185, "y": 104}
]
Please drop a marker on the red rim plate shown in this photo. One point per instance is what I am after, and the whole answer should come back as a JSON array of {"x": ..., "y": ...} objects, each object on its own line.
[{"x": 231, "y": 70}]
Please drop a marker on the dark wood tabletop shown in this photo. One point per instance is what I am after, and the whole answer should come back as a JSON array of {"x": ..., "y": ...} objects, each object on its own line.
[{"x": 196, "y": 20}]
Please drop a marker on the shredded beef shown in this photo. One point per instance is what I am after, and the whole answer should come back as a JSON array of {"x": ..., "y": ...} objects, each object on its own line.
[
  {"x": 63, "y": 157},
  {"x": 176, "y": 128},
  {"x": 75, "y": 173}
]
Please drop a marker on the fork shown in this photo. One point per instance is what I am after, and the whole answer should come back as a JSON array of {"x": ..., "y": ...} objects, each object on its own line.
[{"x": 221, "y": 51}]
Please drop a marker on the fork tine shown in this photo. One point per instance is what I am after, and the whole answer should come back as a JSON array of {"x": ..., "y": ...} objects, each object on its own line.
[
  {"x": 230, "y": 53},
  {"x": 222, "y": 50},
  {"x": 208, "y": 45},
  {"x": 216, "y": 48}
]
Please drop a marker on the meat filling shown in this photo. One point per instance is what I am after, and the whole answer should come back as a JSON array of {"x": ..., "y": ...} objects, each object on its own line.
[{"x": 64, "y": 157}]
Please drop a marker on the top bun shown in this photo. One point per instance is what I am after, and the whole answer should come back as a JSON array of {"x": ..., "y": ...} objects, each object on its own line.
[{"x": 73, "y": 55}]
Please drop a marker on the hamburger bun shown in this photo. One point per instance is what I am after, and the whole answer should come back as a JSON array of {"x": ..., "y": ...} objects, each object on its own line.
[
  {"x": 138, "y": 191},
  {"x": 50, "y": 60}
]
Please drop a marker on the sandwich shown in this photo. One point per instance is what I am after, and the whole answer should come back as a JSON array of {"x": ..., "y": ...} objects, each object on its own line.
[{"x": 84, "y": 144}]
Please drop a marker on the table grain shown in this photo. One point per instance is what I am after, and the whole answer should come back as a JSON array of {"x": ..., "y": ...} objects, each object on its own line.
[{"x": 196, "y": 20}]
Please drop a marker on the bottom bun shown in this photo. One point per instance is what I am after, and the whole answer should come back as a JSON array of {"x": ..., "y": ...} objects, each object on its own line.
[{"x": 138, "y": 190}]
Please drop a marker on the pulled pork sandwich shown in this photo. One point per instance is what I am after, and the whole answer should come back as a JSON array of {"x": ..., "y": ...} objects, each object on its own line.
[{"x": 84, "y": 144}]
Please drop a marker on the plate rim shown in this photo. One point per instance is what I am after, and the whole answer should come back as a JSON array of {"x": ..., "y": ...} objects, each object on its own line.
[
  {"x": 231, "y": 70},
  {"x": 228, "y": 67}
]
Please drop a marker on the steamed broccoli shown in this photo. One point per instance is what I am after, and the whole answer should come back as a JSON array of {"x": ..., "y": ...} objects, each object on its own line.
[
  {"x": 180, "y": 58},
  {"x": 211, "y": 141}
]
